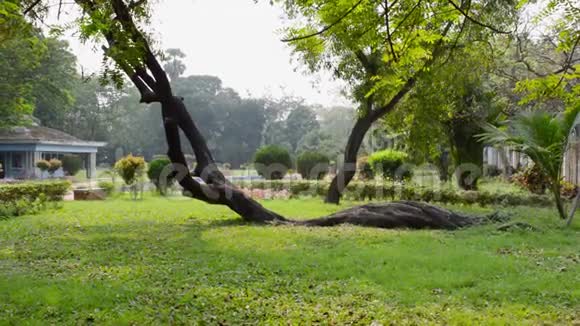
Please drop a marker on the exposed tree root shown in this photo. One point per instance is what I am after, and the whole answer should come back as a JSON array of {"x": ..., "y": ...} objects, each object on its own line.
[{"x": 401, "y": 214}]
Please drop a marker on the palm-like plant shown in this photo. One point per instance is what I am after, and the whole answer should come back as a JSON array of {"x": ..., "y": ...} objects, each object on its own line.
[{"x": 543, "y": 137}]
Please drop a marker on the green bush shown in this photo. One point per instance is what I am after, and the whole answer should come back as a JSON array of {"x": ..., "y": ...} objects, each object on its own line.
[
  {"x": 23, "y": 207},
  {"x": 31, "y": 191},
  {"x": 388, "y": 163},
  {"x": 156, "y": 167},
  {"x": 360, "y": 190},
  {"x": 72, "y": 164},
  {"x": 532, "y": 179},
  {"x": 54, "y": 165},
  {"x": 130, "y": 168},
  {"x": 272, "y": 162},
  {"x": 312, "y": 165},
  {"x": 107, "y": 186},
  {"x": 43, "y": 165}
]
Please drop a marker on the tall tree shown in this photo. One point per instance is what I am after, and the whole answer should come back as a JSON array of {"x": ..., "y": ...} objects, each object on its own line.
[
  {"x": 381, "y": 48},
  {"x": 299, "y": 122},
  {"x": 447, "y": 109},
  {"x": 174, "y": 66},
  {"x": 54, "y": 81},
  {"x": 21, "y": 52}
]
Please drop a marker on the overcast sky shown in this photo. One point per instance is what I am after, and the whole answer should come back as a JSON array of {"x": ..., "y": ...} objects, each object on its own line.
[{"x": 236, "y": 40}]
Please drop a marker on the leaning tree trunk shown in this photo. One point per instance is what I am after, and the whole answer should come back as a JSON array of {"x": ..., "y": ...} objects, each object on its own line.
[
  {"x": 206, "y": 182},
  {"x": 363, "y": 124},
  {"x": 348, "y": 169},
  {"x": 360, "y": 129}
]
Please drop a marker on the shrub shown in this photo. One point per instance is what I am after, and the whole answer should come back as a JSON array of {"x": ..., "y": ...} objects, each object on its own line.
[
  {"x": 389, "y": 163},
  {"x": 568, "y": 190},
  {"x": 107, "y": 186},
  {"x": 532, "y": 179},
  {"x": 154, "y": 173},
  {"x": 43, "y": 165},
  {"x": 30, "y": 191},
  {"x": 312, "y": 165},
  {"x": 72, "y": 164},
  {"x": 54, "y": 165},
  {"x": 23, "y": 207},
  {"x": 363, "y": 168},
  {"x": 272, "y": 162},
  {"x": 359, "y": 190},
  {"x": 130, "y": 168}
]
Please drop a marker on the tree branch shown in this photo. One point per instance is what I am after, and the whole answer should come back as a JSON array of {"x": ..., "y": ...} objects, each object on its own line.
[
  {"x": 473, "y": 20},
  {"x": 379, "y": 112},
  {"x": 124, "y": 17},
  {"x": 29, "y": 9},
  {"x": 455, "y": 42},
  {"x": 322, "y": 31},
  {"x": 407, "y": 16},
  {"x": 389, "y": 31},
  {"x": 135, "y": 4},
  {"x": 568, "y": 61}
]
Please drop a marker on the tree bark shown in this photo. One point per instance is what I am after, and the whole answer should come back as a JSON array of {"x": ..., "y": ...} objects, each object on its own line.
[
  {"x": 402, "y": 214},
  {"x": 360, "y": 129},
  {"x": 214, "y": 189},
  {"x": 348, "y": 169}
]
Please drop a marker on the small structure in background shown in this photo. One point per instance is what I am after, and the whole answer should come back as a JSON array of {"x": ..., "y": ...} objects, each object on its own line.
[
  {"x": 503, "y": 158},
  {"x": 571, "y": 166},
  {"x": 22, "y": 147}
]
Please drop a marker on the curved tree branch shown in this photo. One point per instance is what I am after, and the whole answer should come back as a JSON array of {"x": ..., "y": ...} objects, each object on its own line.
[
  {"x": 326, "y": 28},
  {"x": 389, "y": 39},
  {"x": 473, "y": 20},
  {"x": 31, "y": 7}
]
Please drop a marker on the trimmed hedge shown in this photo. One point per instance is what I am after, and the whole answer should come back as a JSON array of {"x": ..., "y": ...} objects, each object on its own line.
[
  {"x": 389, "y": 191},
  {"x": 312, "y": 165},
  {"x": 156, "y": 167},
  {"x": 72, "y": 164},
  {"x": 389, "y": 163},
  {"x": 31, "y": 191},
  {"x": 272, "y": 162}
]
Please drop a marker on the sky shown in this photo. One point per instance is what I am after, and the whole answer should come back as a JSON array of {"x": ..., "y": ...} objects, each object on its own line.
[{"x": 235, "y": 40}]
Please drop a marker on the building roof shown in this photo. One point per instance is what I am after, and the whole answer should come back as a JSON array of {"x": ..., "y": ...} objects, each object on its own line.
[{"x": 42, "y": 135}]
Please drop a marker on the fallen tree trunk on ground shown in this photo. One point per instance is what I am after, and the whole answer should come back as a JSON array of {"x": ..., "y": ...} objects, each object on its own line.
[{"x": 401, "y": 214}]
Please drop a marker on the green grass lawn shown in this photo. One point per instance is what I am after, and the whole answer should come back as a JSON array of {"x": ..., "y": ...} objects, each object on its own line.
[{"x": 179, "y": 261}]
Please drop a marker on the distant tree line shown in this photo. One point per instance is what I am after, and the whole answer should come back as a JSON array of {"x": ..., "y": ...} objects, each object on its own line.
[{"x": 43, "y": 81}]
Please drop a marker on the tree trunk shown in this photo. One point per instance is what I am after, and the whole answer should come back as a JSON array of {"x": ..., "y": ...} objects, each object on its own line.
[
  {"x": 443, "y": 165},
  {"x": 348, "y": 169},
  {"x": 361, "y": 127},
  {"x": 467, "y": 153},
  {"x": 556, "y": 188},
  {"x": 213, "y": 188}
]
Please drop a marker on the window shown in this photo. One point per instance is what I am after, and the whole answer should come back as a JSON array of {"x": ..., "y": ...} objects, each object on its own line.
[{"x": 17, "y": 160}]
